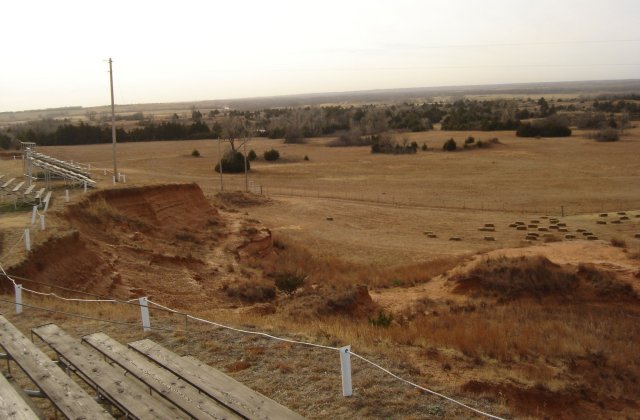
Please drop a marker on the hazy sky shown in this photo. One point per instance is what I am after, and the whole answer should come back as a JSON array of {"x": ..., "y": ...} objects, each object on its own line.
[{"x": 52, "y": 52}]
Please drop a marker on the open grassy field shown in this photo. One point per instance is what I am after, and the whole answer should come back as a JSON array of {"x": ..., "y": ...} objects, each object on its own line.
[
  {"x": 559, "y": 343},
  {"x": 382, "y": 204}
]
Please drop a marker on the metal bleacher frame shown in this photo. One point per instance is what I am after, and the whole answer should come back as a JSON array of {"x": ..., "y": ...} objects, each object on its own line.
[{"x": 53, "y": 167}]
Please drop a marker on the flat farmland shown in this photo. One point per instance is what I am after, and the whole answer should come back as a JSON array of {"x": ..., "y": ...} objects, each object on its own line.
[{"x": 382, "y": 205}]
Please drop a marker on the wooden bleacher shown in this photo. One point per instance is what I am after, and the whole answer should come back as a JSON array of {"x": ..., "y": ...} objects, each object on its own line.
[
  {"x": 129, "y": 397},
  {"x": 144, "y": 380},
  {"x": 182, "y": 394},
  {"x": 12, "y": 405},
  {"x": 66, "y": 395},
  {"x": 222, "y": 388}
]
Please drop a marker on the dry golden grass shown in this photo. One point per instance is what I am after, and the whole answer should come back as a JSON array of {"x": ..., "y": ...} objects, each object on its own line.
[{"x": 556, "y": 345}]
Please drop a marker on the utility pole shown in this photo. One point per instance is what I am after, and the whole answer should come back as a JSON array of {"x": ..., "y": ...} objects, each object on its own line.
[
  {"x": 246, "y": 173},
  {"x": 220, "y": 164},
  {"x": 113, "y": 123}
]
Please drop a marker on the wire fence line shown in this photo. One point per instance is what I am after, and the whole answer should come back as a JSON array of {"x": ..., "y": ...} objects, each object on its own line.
[
  {"x": 216, "y": 324},
  {"x": 433, "y": 201}
]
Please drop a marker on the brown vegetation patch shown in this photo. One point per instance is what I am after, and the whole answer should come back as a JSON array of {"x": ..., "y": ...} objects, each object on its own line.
[
  {"x": 541, "y": 402},
  {"x": 516, "y": 277}
]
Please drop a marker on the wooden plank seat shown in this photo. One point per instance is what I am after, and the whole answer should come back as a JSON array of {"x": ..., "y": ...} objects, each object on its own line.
[
  {"x": 132, "y": 398},
  {"x": 224, "y": 389},
  {"x": 29, "y": 189},
  {"x": 12, "y": 406},
  {"x": 165, "y": 383},
  {"x": 6, "y": 184},
  {"x": 17, "y": 187},
  {"x": 64, "y": 393},
  {"x": 39, "y": 193}
]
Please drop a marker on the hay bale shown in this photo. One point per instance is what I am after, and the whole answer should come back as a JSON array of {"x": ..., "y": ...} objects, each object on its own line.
[
  {"x": 489, "y": 229},
  {"x": 329, "y": 218},
  {"x": 489, "y": 225},
  {"x": 543, "y": 229},
  {"x": 523, "y": 223},
  {"x": 604, "y": 214},
  {"x": 432, "y": 235},
  {"x": 531, "y": 238},
  {"x": 581, "y": 230},
  {"x": 622, "y": 213},
  {"x": 489, "y": 238},
  {"x": 532, "y": 226},
  {"x": 521, "y": 228},
  {"x": 592, "y": 238},
  {"x": 544, "y": 217},
  {"x": 562, "y": 224},
  {"x": 563, "y": 230},
  {"x": 455, "y": 238},
  {"x": 554, "y": 227},
  {"x": 570, "y": 236},
  {"x": 533, "y": 234},
  {"x": 637, "y": 236},
  {"x": 534, "y": 221},
  {"x": 553, "y": 220},
  {"x": 512, "y": 225},
  {"x": 624, "y": 218},
  {"x": 587, "y": 233},
  {"x": 601, "y": 222},
  {"x": 616, "y": 222}
]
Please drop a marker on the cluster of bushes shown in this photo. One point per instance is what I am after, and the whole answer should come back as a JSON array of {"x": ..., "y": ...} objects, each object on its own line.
[
  {"x": 5, "y": 141},
  {"x": 547, "y": 127},
  {"x": 271, "y": 155},
  {"x": 232, "y": 162},
  {"x": 480, "y": 115},
  {"x": 383, "y": 143},
  {"x": 606, "y": 134},
  {"x": 469, "y": 143}
]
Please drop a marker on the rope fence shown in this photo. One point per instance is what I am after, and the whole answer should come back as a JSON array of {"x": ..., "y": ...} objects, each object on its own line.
[{"x": 143, "y": 303}]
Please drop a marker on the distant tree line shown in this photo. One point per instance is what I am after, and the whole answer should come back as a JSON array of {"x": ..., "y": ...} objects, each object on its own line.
[{"x": 351, "y": 125}]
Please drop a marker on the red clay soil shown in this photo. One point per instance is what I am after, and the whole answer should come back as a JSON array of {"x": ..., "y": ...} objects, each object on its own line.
[{"x": 167, "y": 242}]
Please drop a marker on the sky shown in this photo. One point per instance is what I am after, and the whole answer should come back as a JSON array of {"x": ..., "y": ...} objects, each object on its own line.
[{"x": 53, "y": 52}]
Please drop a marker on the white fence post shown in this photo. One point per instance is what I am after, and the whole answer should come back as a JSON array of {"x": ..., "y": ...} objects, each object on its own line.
[
  {"x": 27, "y": 240},
  {"x": 124, "y": 179},
  {"x": 105, "y": 171},
  {"x": 46, "y": 204},
  {"x": 18, "y": 289},
  {"x": 66, "y": 196},
  {"x": 85, "y": 187},
  {"x": 42, "y": 222},
  {"x": 144, "y": 310},
  {"x": 345, "y": 368},
  {"x": 114, "y": 180},
  {"x": 33, "y": 214}
]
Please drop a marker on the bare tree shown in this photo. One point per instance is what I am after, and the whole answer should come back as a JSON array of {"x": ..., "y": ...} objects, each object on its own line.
[{"x": 233, "y": 130}]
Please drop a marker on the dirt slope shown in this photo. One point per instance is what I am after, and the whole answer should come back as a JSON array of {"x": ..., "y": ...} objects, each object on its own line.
[{"x": 166, "y": 242}]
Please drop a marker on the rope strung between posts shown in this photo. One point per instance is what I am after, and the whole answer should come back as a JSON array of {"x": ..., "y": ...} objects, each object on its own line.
[
  {"x": 423, "y": 388},
  {"x": 257, "y": 333},
  {"x": 13, "y": 247}
]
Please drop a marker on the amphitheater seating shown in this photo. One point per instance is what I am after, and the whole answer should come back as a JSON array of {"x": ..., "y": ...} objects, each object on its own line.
[
  {"x": 215, "y": 384},
  {"x": 12, "y": 406},
  {"x": 144, "y": 380},
  {"x": 131, "y": 398},
  {"x": 62, "y": 168},
  {"x": 67, "y": 396}
]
